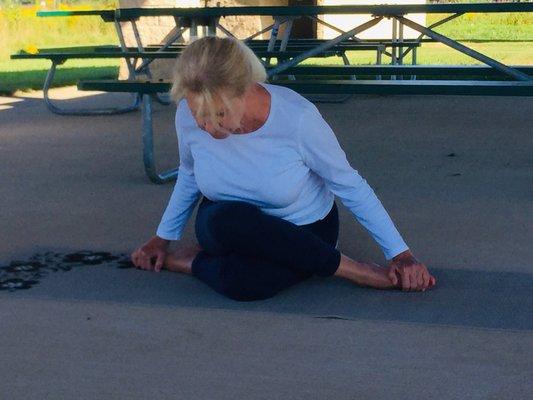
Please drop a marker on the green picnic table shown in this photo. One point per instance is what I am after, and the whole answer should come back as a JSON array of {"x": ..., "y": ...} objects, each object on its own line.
[{"x": 492, "y": 78}]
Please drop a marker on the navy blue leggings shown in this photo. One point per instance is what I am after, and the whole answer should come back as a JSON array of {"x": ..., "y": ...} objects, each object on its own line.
[{"x": 249, "y": 255}]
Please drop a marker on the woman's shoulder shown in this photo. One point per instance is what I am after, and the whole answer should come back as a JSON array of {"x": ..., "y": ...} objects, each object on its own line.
[
  {"x": 182, "y": 106},
  {"x": 183, "y": 114},
  {"x": 288, "y": 97}
]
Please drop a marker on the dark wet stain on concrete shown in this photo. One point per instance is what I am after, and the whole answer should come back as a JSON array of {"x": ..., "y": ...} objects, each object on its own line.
[{"x": 20, "y": 275}]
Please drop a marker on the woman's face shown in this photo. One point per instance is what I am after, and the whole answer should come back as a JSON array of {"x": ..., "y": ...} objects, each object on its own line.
[{"x": 228, "y": 118}]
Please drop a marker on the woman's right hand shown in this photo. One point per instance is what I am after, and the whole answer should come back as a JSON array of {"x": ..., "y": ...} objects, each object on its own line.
[{"x": 155, "y": 248}]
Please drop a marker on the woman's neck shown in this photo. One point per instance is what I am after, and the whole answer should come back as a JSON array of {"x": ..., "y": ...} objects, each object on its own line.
[{"x": 257, "y": 102}]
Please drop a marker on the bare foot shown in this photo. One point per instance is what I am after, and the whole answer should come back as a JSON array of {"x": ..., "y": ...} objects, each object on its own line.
[{"x": 180, "y": 260}]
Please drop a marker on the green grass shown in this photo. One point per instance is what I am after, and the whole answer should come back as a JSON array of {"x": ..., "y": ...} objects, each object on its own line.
[
  {"x": 26, "y": 75},
  {"x": 23, "y": 28},
  {"x": 513, "y": 53},
  {"x": 486, "y": 26}
]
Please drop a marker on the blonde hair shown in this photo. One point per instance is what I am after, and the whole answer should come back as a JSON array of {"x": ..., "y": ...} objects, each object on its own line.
[{"x": 210, "y": 65}]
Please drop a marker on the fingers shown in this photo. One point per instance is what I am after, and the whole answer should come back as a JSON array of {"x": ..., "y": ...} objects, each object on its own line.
[
  {"x": 136, "y": 258},
  {"x": 393, "y": 276},
  {"x": 144, "y": 261},
  {"x": 406, "y": 280},
  {"x": 413, "y": 277},
  {"x": 425, "y": 279},
  {"x": 428, "y": 280},
  {"x": 416, "y": 278},
  {"x": 147, "y": 262},
  {"x": 159, "y": 262},
  {"x": 413, "y": 281},
  {"x": 141, "y": 260}
]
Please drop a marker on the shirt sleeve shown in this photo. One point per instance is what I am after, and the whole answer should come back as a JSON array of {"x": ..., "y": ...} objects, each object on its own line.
[
  {"x": 323, "y": 154},
  {"x": 185, "y": 195}
]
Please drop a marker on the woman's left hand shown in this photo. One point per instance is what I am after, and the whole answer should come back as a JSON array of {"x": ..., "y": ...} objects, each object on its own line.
[{"x": 407, "y": 272}]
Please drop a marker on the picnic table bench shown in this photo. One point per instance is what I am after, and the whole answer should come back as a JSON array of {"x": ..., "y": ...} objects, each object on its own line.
[{"x": 58, "y": 56}]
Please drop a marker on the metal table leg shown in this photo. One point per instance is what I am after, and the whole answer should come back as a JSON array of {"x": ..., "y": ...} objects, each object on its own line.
[
  {"x": 518, "y": 75},
  {"x": 419, "y": 38},
  {"x": 148, "y": 146},
  {"x": 81, "y": 111},
  {"x": 160, "y": 97},
  {"x": 380, "y": 50},
  {"x": 129, "y": 63},
  {"x": 323, "y": 47},
  {"x": 394, "y": 41}
]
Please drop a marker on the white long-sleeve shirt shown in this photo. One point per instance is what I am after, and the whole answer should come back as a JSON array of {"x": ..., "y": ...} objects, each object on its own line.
[{"x": 291, "y": 167}]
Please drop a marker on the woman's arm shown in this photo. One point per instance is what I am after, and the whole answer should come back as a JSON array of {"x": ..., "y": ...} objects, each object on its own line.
[
  {"x": 178, "y": 211},
  {"x": 322, "y": 153},
  {"x": 185, "y": 195}
]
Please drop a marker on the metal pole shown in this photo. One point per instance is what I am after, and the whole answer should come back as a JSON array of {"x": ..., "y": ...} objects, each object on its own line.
[
  {"x": 325, "y": 46},
  {"x": 169, "y": 43},
  {"x": 286, "y": 35},
  {"x": 442, "y": 21},
  {"x": 212, "y": 27},
  {"x": 466, "y": 50},
  {"x": 393, "y": 50},
  {"x": 131, "y": 68},
  {"x": 378, "y": 61},
  {"x": 413, "y": 62},
  {"x": 140, "y": 48},
  {"x": 394, "y": 36},
  {"x": 193, "y": 30},
  {"x": 228, "y": 33},
  {"x": 331, "y": 27},
  {"x": 400, "y": 49},
  {"x": 274, "y": 34},
  {"x": 259, "y": 33},
  {"x": 148, "y": 145},
  {"x": 81, "y": 111}
]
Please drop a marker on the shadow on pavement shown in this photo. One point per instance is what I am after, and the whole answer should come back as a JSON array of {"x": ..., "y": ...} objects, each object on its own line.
[{"x": 497, "y": 300}]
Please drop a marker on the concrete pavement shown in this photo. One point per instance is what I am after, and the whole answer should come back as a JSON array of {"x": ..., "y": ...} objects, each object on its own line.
[{"x": 454, "y": 172}]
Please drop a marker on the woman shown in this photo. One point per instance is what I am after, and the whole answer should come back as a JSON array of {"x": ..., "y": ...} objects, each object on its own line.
[{"x": 268, "y": 167}]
